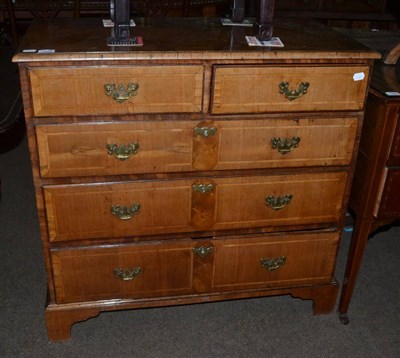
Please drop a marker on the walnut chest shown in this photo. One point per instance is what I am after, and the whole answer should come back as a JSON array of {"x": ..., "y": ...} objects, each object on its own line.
[{"x": 194, "y": 168}]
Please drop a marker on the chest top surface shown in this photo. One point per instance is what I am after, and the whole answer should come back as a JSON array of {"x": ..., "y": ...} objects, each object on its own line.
[{"x": 185, "y": 38}]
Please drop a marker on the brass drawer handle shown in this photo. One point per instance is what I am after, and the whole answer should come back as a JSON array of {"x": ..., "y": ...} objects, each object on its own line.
[
  {"x": 285, "y": 145},
  {"x": 293, "y": 94},
  {"x": 120, "y": 93},
  {"x": 122, "y": 152},
  {"x": 125, "y": 212},
  {"x": 128, "y": 274},
  {"x": 202, "y": 251},
  {"x": 205, "y": 131},
  {"x": 279, "y": 202},
  {"x": 203, "y": 188},
  {"x": 273, "y": 263}
]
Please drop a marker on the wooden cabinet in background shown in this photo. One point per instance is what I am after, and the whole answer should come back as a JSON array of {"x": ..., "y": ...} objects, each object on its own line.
[
  {"x": 192, "y": 169},
  {"x": 375, "y": 196}
]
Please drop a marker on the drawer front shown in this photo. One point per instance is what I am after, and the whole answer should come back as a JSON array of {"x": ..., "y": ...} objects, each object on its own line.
[
  {"x": 121, "y": 272},
  {"x": 154, "y": 147},
  {"x": 288, "y": 89},
  {"x": 58, "y": 91},
  {"x": 280, "y": 260},
  {"x": 77, "y": 212},
  {"x": 390, "y": 200},
  {"x": 189, "y": 266}
]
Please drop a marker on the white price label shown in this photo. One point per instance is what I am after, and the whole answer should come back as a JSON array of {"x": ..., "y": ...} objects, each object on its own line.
[{"x": 359, "y": 76}]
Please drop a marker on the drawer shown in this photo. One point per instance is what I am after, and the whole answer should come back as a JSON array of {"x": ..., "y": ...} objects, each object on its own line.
[
  {"x": 262, "y": 89},
  {"x": 283, "y": 259},
  {"x": 370, "y": 6},
  {"x": 192, "y": 266},
  {"x": 121, "y": 272},
  {"x": 60, "y": 91},
  {"x": 179, "y": 146},
  {"x": 138, "y": 208}
]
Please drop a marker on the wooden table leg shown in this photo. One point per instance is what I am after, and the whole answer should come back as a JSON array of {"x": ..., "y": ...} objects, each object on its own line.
[{"x": 362, "y": 229}]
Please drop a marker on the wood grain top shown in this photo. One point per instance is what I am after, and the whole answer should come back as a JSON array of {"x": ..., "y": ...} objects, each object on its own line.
[{"x": 185, "y": 39}]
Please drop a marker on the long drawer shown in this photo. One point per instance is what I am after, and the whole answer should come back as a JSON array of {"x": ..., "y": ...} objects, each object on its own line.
[
  {"x": 189, "y": 266},
  {"x": 178, "y": 146},
  {"x": 257, "y": 89},
  {"x": 108, "y": 210},
  {"x": 59, "y": 91}
]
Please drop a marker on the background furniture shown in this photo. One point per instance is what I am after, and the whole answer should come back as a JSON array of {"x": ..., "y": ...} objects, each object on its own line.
[
  {"x": 375, "y": 196},
  {"x": 193, "y": 169},
  {"x": 346, "y": 13}
]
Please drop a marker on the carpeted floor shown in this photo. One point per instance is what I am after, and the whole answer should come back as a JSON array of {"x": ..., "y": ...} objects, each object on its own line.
[{"x": 265, "y": 327}]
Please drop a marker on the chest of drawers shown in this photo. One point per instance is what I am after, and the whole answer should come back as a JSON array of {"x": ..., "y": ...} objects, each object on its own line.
[{"x": 192, "y": 169}]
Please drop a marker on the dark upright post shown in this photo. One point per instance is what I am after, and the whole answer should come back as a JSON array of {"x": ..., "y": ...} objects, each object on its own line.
[
  {"x": 265, "y": 17},
  {"x": 237, "y": 10}
]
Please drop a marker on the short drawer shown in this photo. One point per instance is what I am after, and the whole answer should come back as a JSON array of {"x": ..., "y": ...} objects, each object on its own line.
[
  {"x": 179, "y": 146},
  {"x": 278, "y": 260},
  {"x": 60, "y": 91},
  {"x": 103, "y": 210},
  {"x": 258, "y": 89},
  {"x": 122, "y": 272}
]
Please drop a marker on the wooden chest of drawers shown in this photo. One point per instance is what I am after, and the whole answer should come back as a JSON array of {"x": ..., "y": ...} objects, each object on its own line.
[{"x": 192, "y": 169}]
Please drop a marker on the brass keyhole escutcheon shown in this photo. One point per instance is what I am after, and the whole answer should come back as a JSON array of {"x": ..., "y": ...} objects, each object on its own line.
[{"x": 202, "y": 251}]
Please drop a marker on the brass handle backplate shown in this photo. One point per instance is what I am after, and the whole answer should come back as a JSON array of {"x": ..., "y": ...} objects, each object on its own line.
[
  {"x": 278, "y": 202},
  {"x": 205, "y": 131},
  {"x": 273, "y": 263},
  {"x": 203, "y": 188},
  {"x": 125, "y": 212},
  {"x": 285, "y": 145},
  {"x": 293, "y": 94},
  {"x": 202, "y": 251},
  {"x": 122, "y": 152},
  {"x": 120, "y": 93},
  {"x": 127, "y": 274}
]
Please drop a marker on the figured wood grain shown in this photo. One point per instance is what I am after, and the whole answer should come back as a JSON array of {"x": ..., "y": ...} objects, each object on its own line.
[
  {"x": 165, "y": 270},
  {"x": 169, "y": 269},
  {"x": 174, "y": 146},
  {"x": 76, "y": 212},
  {"x": 80, "y": 90},
  {"x": 309, "y": 257},
  {"x": 330, "y": 88}
]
